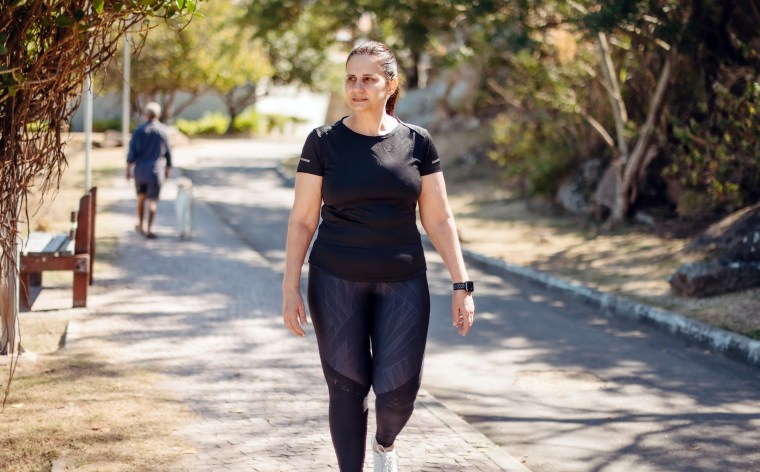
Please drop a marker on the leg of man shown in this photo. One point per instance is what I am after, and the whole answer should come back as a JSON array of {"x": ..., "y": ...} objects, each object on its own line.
[
  {"x": 154, "y": 188},
  {"x": 152, "y": 208},
  {"x": 141, "y": 198}
]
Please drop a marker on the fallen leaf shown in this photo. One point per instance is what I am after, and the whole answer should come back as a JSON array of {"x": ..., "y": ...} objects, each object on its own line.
[{"x": 694, "y": 447}]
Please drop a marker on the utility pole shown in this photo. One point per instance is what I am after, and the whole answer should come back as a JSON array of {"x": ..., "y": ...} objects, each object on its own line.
[
  {"x": 88, "y": 133},
  {"x": 125, "y": 95}
]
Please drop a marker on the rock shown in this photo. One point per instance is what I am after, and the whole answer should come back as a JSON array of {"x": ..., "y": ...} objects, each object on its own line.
[
  {"x": 604, "y": 195},
  {"x": 574, "y": 193},
  {"x": 644, "y": 218},
  {"x": 714, "y": 277},
  {"x": 735, "y": 237}
]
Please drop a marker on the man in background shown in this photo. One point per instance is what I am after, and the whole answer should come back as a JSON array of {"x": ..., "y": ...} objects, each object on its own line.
[{"x": 149, "y": 161}]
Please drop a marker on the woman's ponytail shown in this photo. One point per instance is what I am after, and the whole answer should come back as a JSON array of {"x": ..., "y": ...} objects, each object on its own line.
[{"x": 390, "y": 105}]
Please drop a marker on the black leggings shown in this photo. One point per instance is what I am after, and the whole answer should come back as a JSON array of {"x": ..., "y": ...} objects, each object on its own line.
[{"x": 369, "y": 334}]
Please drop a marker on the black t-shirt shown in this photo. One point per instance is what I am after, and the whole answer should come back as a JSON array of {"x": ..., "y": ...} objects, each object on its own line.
[{"x": 370, "y": 188}]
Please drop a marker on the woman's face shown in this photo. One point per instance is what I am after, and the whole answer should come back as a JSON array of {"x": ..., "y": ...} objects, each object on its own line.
[{"x": 366, "y": 87}]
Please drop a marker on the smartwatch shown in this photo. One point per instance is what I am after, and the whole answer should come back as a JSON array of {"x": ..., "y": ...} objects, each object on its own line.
[{"x": 468, "y": 286}]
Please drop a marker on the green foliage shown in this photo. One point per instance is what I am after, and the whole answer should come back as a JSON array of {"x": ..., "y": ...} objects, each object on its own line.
[
  {"x": 211, "y": 53},
  {"x": 169, "y": 61},
  {"x": 295, "y": 37},
  {"x": 279, "y": 123},
  {"x": 719, "y": 153},
  {"x": 544, "y": 79},
  {"x": 247, "y": 123},
  {"x": 209, "y": 124},
  {"x": 538, "y": 62},
  {"x": 106, "y": 124},
  {"x": 532, "y": 152},
  {"x": 229, "y": 54}
]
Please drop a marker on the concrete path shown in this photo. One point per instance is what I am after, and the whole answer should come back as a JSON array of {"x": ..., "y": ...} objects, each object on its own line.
[{"x": 206, "y": 313}]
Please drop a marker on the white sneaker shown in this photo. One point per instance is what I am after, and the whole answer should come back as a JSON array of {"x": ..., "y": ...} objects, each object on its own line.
[{"x": 385, "y": 461}]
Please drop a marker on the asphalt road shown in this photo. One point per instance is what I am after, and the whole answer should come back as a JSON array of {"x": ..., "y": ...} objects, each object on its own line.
[{"x": 552, "y": 380}]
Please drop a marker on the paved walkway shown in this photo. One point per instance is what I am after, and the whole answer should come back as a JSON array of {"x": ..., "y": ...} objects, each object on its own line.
[{"x": 205, "y": 313}]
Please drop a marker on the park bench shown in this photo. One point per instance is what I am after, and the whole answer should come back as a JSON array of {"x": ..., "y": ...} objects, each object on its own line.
[{"x": 74, "y": 252}]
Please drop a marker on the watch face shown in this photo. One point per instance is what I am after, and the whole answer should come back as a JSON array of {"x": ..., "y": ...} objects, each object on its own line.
[{"x": 469, "y": 286}]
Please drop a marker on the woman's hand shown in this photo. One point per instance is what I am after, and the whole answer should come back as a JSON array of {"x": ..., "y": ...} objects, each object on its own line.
[
  {"x": 462, "y": 311},
  {"x": 294, "y": 311}
]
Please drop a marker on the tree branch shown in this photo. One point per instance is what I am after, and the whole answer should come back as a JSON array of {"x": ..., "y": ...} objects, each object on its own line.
[{"x": 616, "y": 99}]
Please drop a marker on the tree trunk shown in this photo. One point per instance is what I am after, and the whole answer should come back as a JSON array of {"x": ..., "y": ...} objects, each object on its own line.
[
  {"x": 629, "y": 164},
  {"x": 10, "y": 339},
  {"x": 233, "y": 113},
  {"x": 177, "y": 110},
  {"x": 628, "y": 177},
  {"x": 236, "y": 103},
  {"x": 412, "y": 73}
]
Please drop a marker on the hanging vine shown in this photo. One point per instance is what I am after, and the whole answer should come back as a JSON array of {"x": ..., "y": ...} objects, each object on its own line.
[{"x": 47, "y": 48}]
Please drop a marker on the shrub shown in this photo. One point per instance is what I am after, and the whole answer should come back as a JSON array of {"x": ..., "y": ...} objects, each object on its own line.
[
  {"x": 210, "y": 124},
  {"x": 248, "y": 122},
  {"x": 99, "y": 126},
  {"x": 719, "y": 153},
  {"x": 533, "y": 153}
]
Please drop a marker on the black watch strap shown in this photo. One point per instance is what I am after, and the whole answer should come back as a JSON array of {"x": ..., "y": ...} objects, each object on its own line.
[{"x": 468, "y": 286}]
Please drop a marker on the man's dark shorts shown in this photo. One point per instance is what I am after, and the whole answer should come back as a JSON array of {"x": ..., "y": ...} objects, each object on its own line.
[{"x": 150, "y": 189}]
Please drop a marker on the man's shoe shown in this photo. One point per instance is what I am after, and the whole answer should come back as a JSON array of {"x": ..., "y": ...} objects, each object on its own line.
[{"x": 385, "y": 461}]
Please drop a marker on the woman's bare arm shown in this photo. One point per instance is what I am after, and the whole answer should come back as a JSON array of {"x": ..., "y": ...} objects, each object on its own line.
[
  {"x": 304, "y": 217},
  {"x": 438, "y": 222}
]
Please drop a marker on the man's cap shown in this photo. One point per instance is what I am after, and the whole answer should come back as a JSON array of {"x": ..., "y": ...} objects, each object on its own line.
[{"x": 154, "y": 108}]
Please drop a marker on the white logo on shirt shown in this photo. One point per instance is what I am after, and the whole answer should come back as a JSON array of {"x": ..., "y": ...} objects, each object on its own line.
[
  {"x": 437, "y": 160},
  {"x": 305, "y": 160}
]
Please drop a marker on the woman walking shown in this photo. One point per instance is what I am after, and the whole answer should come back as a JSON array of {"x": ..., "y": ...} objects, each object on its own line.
[{"x": 367, "y": 291}]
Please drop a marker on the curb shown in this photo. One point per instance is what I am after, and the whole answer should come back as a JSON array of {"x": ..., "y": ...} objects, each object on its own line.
[
  {"x": 469, "y": 433},
  {"x": 72, "y": 333},
  {"x": 732, "y": 345}
]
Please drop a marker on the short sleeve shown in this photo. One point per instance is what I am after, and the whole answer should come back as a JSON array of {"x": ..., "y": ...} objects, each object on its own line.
[
  {"x": 430, "y": 162},
  {"x": 311, "y": 156}
]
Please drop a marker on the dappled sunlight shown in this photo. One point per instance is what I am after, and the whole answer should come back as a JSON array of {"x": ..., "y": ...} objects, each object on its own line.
[
  {"x": 538, "y": 368},
  {"x": 635, "y": 264},
  {"x": 553, "y": 372}
]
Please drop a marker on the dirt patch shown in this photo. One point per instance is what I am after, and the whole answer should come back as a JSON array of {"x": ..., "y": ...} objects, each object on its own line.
[{"x": 76, "y": 407}]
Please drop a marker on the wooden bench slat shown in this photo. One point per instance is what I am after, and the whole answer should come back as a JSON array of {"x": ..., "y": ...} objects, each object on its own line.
[
  {"x": 57, "y": 244},
  {"x": 40, "y": 243},
  {"x": 37, "y": 242}
]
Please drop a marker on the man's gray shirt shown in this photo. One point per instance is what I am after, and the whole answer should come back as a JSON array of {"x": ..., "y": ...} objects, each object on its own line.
[{"x": 149, "y": 151}]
